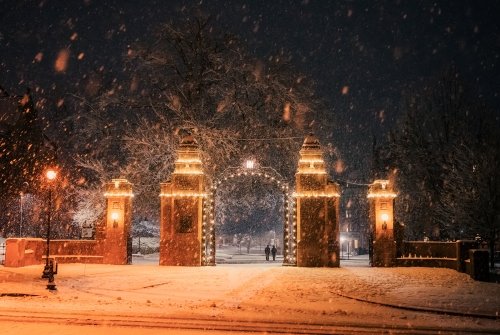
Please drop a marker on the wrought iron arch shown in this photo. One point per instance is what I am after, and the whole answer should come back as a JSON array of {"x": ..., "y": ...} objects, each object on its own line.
[{"x": 249, "y": 169}]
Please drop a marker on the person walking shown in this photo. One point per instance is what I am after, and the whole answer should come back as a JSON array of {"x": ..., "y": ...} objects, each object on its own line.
[
  {"x": 273, "y": 251},
  {"x": 267, "y": 250}
]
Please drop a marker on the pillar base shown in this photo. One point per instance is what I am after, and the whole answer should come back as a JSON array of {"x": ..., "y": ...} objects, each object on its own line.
[{"x": 384, "y": 253}]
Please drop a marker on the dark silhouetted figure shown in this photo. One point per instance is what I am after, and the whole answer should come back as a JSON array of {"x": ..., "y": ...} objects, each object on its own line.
[
  {"x": 273, "y": 251},
  {"x": 267, "y": 250}
]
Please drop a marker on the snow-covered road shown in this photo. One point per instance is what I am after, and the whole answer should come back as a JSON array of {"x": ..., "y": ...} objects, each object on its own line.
[{"x": 265, "y": 298}]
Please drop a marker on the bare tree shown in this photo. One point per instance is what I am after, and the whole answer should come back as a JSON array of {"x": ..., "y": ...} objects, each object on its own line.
[
  {"x": 446, "y": 159},
  {"x": 194, "y": 77}
]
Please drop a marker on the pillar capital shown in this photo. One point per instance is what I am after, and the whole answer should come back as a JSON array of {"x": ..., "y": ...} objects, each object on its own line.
[
  {"x": 381, "y": 188},
  {"x": 311, "y": 157},
  {"x": 118, "y": 188}
]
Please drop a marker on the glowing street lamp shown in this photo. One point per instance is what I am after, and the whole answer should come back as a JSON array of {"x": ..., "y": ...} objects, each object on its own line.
[{"x": 48, "y": 271}]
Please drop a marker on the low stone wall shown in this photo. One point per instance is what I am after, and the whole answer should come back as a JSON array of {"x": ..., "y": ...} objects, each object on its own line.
[
  {"x": 420, "y": 249},
  {"x": 23, "y": 252},
  {"x": 460, "y": 255},
  {"x": 74, "y": 247},
  {"x": 450, "y": 263},
  {"x": 30, "y": 251}
]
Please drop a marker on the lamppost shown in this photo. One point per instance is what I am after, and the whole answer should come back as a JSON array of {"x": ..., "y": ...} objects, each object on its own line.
[
  {"x": 21, "y": 214},
  {"x": 21, "y": 194},
  {"x": 48, "y": 271}
]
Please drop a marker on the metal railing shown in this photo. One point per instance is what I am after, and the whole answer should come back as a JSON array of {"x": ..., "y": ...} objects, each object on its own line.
[{"x": 2, "y": 253}]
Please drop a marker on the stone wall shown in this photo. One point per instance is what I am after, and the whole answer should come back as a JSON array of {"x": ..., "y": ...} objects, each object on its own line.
[
  {"x": 452, "y": 255},
  {"x": 31, "y": 251}
]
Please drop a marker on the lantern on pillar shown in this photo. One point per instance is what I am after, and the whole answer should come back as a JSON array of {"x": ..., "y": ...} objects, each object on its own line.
[
  {"x": 381, "y": 197},
  {"x": 117, "y": 239}
]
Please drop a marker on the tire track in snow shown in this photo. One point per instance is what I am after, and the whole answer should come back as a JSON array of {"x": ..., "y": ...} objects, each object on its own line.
[{"x": 225, "y": 325}]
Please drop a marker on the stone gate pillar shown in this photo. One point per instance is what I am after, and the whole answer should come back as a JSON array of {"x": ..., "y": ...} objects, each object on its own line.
[
  {"x": 317, "y": 209},
  {"x": 114, "y": 237},
  {"x": 182, "y": 208},
  {"x": 381, "y": 197}
]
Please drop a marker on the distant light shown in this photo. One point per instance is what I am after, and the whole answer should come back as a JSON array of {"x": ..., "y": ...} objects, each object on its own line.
[
  {"x": 51, "y": 174},
  {"x": 385, "y": 217},
  {"x": 250, "y": 164},
  {"x": 62, "y": 60}
]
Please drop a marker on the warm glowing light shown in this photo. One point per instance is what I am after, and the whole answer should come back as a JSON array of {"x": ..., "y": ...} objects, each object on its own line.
[
  {"x": 384, "y": 217},
  {"x": 311, "y": 160},
  {"x": 250, "y": 164},
  {"x": 310, "y": 171},
  {"x": 51, "y": 174},
  {"x": 113, "y": 194},
  {"x": 114, "y": 216},
  {"x": 382, "y": 195},
  {"x": 173, "y": 195},
  {"x": 189, "y": 160},
  {"x": 316, "y": 195},
  {"x": 62, "y": 61},
  {"x": 193, "y": 172}
]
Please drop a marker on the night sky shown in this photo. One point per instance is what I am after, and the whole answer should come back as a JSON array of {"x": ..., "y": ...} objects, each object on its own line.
[{"x": 361, "y": 54}]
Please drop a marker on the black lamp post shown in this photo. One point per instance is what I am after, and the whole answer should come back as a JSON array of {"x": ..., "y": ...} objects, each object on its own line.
[
  {"x": 21, "y": 195},
  {"x": 49, "y": 271}
]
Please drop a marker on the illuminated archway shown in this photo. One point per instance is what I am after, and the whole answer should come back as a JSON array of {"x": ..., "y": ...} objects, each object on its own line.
[
  {"x": 187, "y": 226},
  {"x": 249, "y": 168}
]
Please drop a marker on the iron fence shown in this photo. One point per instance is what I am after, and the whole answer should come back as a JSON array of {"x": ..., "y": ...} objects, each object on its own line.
[{"x": 2, "y": 253}]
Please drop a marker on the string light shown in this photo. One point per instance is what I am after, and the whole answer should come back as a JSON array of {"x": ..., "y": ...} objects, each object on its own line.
[
  {"x": 315, "y": 195},
  {"x": 209, "y": 208},
  {"x": 382, "y": 195},
  {"x": 176, "y": 195},
  {"x": 118, "y": 194},
  {"x": 190, "y": 172}
]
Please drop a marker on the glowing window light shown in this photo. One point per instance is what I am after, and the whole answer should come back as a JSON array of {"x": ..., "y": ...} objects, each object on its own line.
[
  {"x": 250, "y": 164},
  {"x": 384, "y": 217}
]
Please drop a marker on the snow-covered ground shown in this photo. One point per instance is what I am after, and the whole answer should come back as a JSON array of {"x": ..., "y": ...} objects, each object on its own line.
[{"x": 264, "y": 298}]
